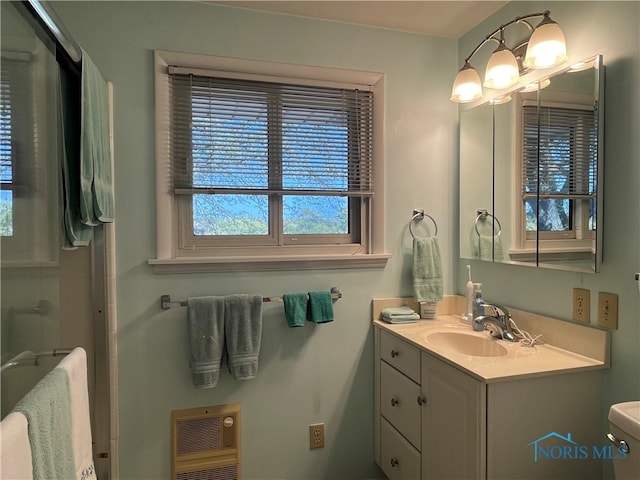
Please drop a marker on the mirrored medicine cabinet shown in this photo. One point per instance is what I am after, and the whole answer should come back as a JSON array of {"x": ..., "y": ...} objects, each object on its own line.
[{"x": 531, "y": 163}]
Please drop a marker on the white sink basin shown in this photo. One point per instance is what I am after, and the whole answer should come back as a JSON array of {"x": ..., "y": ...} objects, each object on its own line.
[{"x": 467, "y": 344}]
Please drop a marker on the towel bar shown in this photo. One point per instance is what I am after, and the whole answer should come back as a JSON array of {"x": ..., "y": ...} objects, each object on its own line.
[
  {"x": 30, "y": 358},
  {"x": 166, "y": 303}
]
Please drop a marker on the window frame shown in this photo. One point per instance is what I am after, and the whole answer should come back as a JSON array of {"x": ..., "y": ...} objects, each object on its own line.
[
  {"x": 569, "y": 244},
  {"x": 177, "y": 251}
]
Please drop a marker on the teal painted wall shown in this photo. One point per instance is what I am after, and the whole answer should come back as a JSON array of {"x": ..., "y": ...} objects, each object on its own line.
[
  {"x": 307, "y": 375},
  {"x": 611, "y": 29}
]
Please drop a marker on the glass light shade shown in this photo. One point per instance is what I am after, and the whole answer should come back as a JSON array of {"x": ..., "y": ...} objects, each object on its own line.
[
  {"x": 502, "y": 70},
  {"x": 466, "y": 86},
  {"x": 547, "y": 46}
]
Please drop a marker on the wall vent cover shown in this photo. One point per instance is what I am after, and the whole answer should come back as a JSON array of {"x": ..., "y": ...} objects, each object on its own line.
[{"x": 206, "y": 443}]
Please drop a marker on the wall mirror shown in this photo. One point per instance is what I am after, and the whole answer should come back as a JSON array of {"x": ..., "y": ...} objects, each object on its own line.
[{"x": 531, "y": 172}]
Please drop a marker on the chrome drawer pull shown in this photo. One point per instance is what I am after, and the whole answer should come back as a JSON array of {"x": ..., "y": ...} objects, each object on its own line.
[
  {"x": 394, "y": 402},
  {"x": 394, "y": 463},
  {"x": 394, "y": 353},
  {"x": 620, "y": 444},
  {"x": 422, "y": 400}
]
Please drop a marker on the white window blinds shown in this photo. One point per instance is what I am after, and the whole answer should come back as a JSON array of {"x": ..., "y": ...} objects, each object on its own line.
[
  {"x": 559, "y": 152},
  {"x": 242, "y": 136},
  {"x": 6, "y": 168}
]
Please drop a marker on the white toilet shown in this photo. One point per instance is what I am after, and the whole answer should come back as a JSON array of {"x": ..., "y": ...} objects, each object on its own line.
[{"x": 624, "y": 420}]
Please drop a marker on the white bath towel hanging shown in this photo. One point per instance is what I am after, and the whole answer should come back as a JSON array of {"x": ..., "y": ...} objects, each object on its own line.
[
  {"x": 76, "y": 366},
  {"x": 15, "y": 450}
]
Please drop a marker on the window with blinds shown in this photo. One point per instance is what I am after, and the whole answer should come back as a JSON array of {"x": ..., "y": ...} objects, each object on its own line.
[
  {"x": 6, "y": 152},
  {"x": 559, "y": 168},
  {"x": 265, "y": 163}
]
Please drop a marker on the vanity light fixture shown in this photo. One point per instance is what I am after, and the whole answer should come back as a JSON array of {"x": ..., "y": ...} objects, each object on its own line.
[{"x": 545, "y": 48}]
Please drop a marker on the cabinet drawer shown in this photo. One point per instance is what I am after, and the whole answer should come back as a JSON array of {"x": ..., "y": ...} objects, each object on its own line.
[
  {"x": 398, "y": 459},
  {"x": 401, "y": 355},
  {"x": 399, "y": 403}
]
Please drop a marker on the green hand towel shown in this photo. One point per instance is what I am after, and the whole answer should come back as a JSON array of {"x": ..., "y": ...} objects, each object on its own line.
[
  {"x": 48, "y": 410},
  {"x": 243, "y": 334},
  {"x": 295, "y": 308},
  {"x": 427, "y": 270},
  {"x": 320, "y": 307},
  {"x": 488, "y": 247},
  {"x": 205, "y": 328}
]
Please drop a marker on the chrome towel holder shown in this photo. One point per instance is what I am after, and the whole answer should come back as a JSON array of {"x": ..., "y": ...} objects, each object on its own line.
[
  {"x": 166, "y": 303},
  {"x": 418, "y": 214},
  {"x": 482, "y": 216}
]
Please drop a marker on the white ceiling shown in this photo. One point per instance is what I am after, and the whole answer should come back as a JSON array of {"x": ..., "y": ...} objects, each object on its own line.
[{"x": 449, "y": 19}]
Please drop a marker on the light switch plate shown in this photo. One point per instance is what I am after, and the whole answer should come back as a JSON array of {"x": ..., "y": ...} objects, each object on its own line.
[{"x": 607, "y": 310}]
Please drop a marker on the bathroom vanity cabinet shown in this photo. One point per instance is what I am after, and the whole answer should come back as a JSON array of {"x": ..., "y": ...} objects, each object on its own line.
[{"x": 435, "y": 420}]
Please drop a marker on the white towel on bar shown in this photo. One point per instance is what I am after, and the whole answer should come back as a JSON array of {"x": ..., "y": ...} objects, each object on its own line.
[
  {"x": 15, "y": 449},
  {"x": 76, "y": 366}
]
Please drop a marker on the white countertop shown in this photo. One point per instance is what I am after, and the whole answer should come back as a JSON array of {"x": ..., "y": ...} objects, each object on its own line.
[{"x": 519, "y": 362}]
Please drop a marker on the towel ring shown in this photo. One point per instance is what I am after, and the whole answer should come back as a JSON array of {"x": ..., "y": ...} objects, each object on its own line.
[
  {"x": 418, "y": 214},
  {"x": 482, "y": 215}
]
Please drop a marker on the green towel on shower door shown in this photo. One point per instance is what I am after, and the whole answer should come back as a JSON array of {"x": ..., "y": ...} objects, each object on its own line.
[
  {"x": 76, "y": 234},
  {"x": 96, "y": 187}
]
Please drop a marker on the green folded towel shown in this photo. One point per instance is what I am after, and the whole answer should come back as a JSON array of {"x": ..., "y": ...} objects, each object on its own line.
[
  {"x": 295, "y": 308},
  {"x": 398, "y": 311},
  {"x": 403, "y": 314},
  {"x": 320, "y": 307},
  {"x": 401, "y": 318},
  {"x": 48, "y": 410}
]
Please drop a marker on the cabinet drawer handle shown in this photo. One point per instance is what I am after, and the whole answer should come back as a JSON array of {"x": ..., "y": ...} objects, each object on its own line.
[
  {"x": 394, "y": 402},
  {"x": 394, "y": 353},
  {"x": 394, "y": 463},
  {"x": 422, "y": 400}
]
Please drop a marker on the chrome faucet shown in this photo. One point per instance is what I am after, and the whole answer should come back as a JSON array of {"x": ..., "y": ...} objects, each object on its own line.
[{"x": 498, "y": 324}]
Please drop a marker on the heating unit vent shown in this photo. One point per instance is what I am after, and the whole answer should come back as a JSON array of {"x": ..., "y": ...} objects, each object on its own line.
[{"x": 206, "y": 443}]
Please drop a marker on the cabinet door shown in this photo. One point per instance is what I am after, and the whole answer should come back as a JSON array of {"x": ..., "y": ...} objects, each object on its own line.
[
  {"x": 453, "y": 423},
  {"x": 399, "y": 403}
]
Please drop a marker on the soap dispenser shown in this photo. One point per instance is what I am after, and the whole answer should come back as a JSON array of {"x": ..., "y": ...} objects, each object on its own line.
[{"x": 478, "y": 307}]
